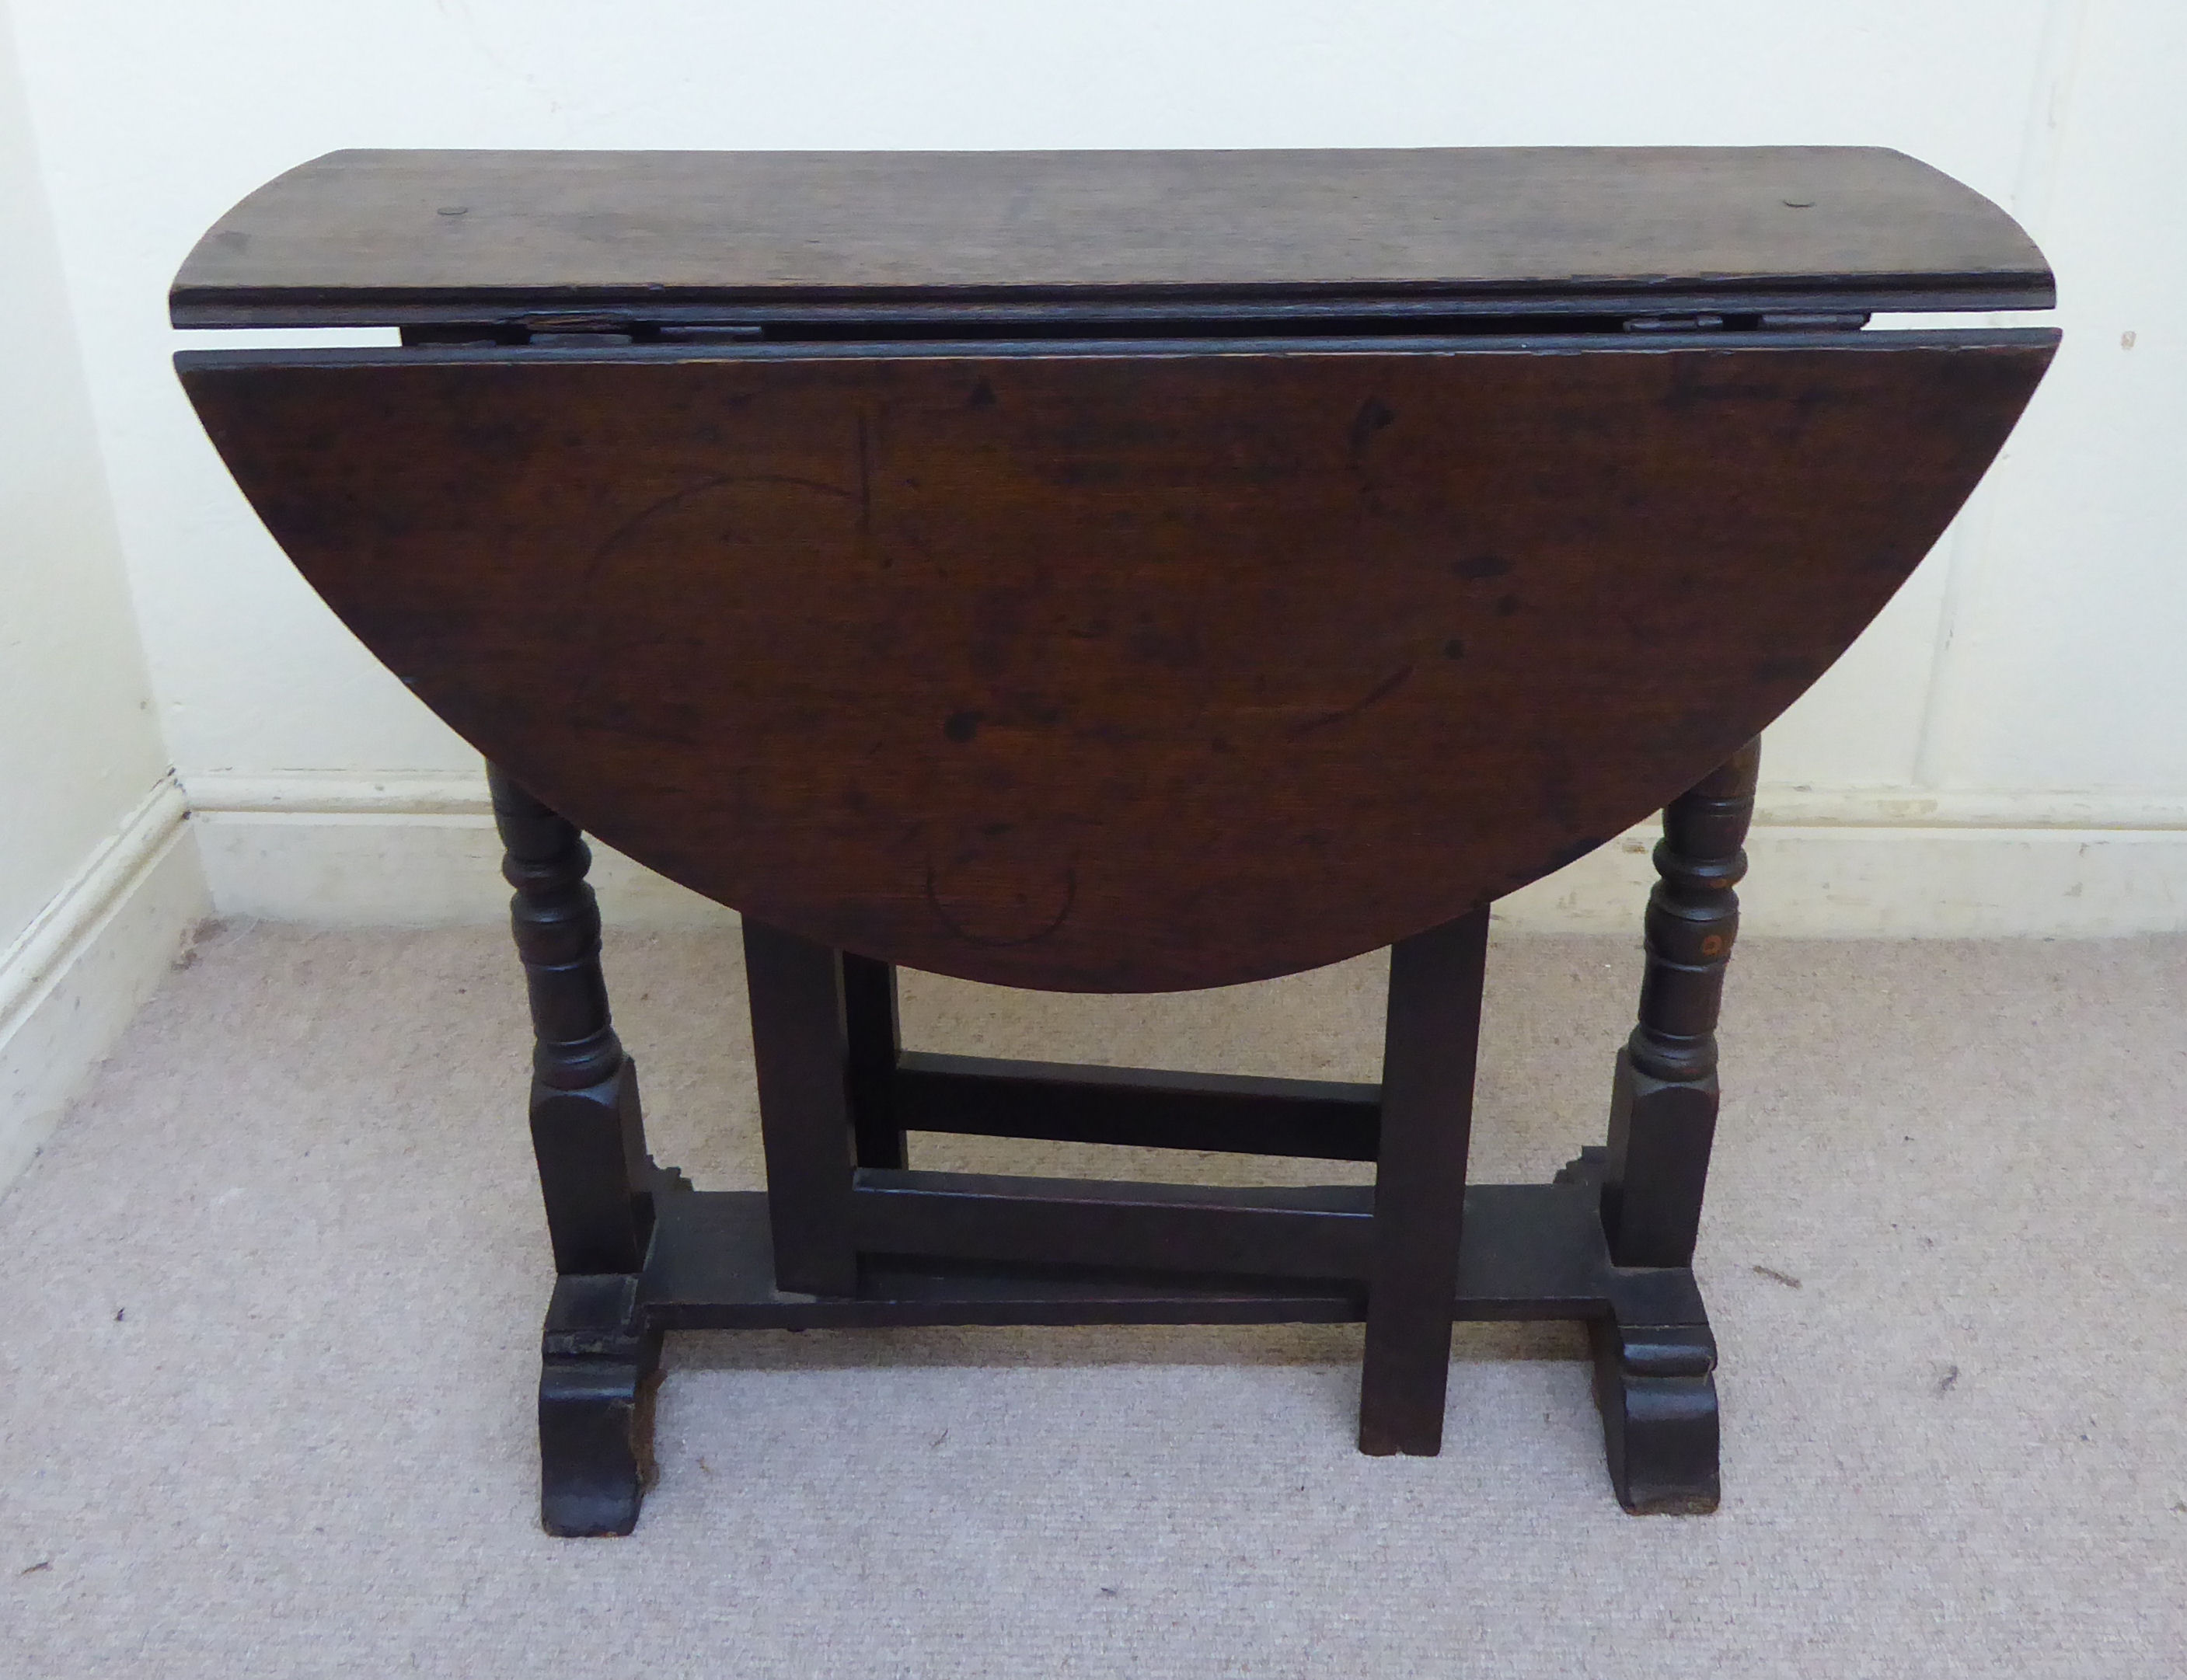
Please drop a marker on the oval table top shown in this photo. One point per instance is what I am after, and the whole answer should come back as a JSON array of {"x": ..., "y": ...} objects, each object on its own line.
[{"x": 1120, "y": 668}]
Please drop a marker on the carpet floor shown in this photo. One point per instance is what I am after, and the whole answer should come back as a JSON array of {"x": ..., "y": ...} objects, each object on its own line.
[{"x": 273, "y": 1294}]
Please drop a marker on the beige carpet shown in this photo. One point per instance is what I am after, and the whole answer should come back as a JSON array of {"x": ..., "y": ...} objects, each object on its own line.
[{"x": 273, "y": 1297}]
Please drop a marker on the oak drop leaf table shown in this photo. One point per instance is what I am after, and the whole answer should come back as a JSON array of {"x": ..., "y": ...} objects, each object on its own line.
[{"x": 1114, "y": 572}]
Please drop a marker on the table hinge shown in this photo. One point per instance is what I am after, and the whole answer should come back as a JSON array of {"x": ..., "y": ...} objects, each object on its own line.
[
  {"x": 1812, "y": 321},
  {"x": 1674, "y": 324},
  {"x": 580, "y": 328},
  {"x": 566, "y": 328},
  {"x": 1776, "y": 321}
]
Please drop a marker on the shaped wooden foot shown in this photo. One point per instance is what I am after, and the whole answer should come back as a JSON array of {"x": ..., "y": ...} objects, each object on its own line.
[
  {"x": 1657, "y": 1388},
  {"x": 596, "y": 1383},
  {"x": 1655, "y": 1382}
]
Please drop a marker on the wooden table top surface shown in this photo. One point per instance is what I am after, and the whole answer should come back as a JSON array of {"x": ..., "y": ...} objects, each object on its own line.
[
  {"x": 365, "y": 236},
  {"x": 1152, "y": 655}
]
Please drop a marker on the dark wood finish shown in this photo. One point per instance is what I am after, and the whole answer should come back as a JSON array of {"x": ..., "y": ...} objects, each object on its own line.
[
  {"x": 377, "y": 236},
  {"x": 874, "y": 1040},
  {"x": 1661, "y": 1433},
  {"x": 587, "y": 1127},
  {"x": 801, "y": 1056},
  {"x": 1326, "y": 1120},
  {"x": 1317, "y": 1232},
  {"x": 556, "y": 921},
  {"x": 598, "y": 1362},
  {"x": 1665, "y": 1095},
  {"x": 601, "y": 1361},
  {"x": 1114, "y": 572},
  {"x": 1655, "y": 1364},
  {"x": 1120, "y": 670},
  {"x": 1434, "y": 1027},
  {"x": 1530, "y": 1251}
]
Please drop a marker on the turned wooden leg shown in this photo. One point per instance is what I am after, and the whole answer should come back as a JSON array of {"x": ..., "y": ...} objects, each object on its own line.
[
  {"x": 1654, "y": 1356},
  {"x": 1428, "y": 1042},
  {"x": 1663, "y": 1116},
  {"x": 588, "y": 1135}
]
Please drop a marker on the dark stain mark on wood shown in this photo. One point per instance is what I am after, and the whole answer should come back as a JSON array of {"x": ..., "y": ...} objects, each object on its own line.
[
  {"x": 1381, "y": 691},
  {"x": 604, "y": 552},
  {"x": 961, "y": 726},
  {"x": 1481, "y": 565},
  {"x": 1062, "y": 915},
  {"x": 1454, "y": 648},
  {"x": 1373, "y": 416},
  {"x": 1506, "y": 605}
]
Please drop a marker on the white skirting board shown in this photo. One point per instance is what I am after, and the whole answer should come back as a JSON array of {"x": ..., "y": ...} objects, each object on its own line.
[
  {"x": 420, "y": 851},
  {"x": 81, "y": 971},
  {"x": 416, "y": 851}
]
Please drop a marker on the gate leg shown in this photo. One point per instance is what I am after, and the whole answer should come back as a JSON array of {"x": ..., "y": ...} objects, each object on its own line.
[{"x": 1433, "y": 1029}]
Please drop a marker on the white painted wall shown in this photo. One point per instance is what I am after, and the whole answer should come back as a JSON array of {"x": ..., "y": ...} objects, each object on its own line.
[
  {"x": 79, "y": 747},
  {"x": 2024, "y": 684},
  {"x": 96, "y": 888}
]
